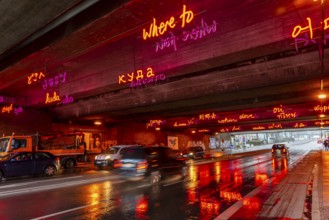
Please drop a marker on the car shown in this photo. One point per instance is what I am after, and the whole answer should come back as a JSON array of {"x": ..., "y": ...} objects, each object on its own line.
[
  {"x": 28, "y": 163},
  {"x": 110, "y": 157},
  {"x": 280, "y": 150},
  {"x": 151, "y": 164},
  {"x": 194, "y": 152}
]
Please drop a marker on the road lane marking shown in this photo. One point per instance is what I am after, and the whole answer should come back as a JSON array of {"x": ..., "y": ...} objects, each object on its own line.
[
  {"x": 39, "y": 181},
  {"x": 55, "y": 186},
  {"x": 63, "y": 212}
]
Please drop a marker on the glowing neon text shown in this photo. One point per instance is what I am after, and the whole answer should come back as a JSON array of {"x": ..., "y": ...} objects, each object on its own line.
[
  {"x": 53, "y": 81},
  {"x": 159, "y": 29},
  {"x": 34, "y": 77},
  {"x": 208, "y": 116},
  {"x": 227, "y": 120},
  {"x": 67, "y": 99},
  {"x": 196, "y": 33},
  {"x": 54, "y": 98},
  {"x": 281, "y": 114},
  {"x": 320, "y": 108},
  {"x": 7, "y": 109}
]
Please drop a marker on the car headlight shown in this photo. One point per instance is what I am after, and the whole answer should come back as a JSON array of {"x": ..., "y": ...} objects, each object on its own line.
[
  {"x": 107, "y": 157},
  {"x": 191, "y": 153},
  {"x": 96, "y": 157}
]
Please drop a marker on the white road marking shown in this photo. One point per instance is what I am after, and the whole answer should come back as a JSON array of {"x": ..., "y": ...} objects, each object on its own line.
[
  {"x": 40, "y": 181},
  {"x": 63, "y": 212}
]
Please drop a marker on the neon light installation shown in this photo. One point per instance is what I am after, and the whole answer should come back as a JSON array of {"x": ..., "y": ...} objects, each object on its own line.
[
  {"x": 140, "y": 78},
  {"x": 67, "y": 99},
  {"x": 227, "y": 120},
  {"x": 7, "y": 109},
  {"x": 273, "y": 126},
  {"x": 53, "y": 81},
  {"x": 147, "y": 81},
  {"x": 159, "y": 29},
  {"x": 298, "y": 29},
  {"x": 196, "y": 33},
  {"x": 299, "y": 125},
  {"x": 51, "y": 99},
  {"x": 184, "y": 124},
  {"x": 18, "y": 110},
  {"x": 236, "y": 128},
  {"x": 321, "y": 108},
  {"x": 34, "y": 77},
  {"x": 155, "y": 123},
  {"x": 249, "y": 116},
  {"x": 208, "y": 116},
  {"x": 281, "y": 114},
  {"x": 258, "y": 128}
]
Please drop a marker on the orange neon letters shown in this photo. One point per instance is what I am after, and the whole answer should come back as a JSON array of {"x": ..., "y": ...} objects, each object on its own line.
[{"x": 159, "y": 29}]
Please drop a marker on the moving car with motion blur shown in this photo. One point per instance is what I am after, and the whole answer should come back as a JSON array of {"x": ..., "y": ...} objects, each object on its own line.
[
  {"x": 280, "y": 150},
  {"x": 194, "y": 153},
  {"x": 27, "y": 163},
  {"x": 110, "y": 157},
  {"x": 151, "y": 164}
]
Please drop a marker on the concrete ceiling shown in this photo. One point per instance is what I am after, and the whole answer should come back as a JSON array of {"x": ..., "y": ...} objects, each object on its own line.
[{"x": 248, "y": 62}]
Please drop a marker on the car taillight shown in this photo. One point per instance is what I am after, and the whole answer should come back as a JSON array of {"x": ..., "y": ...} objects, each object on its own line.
[
  {"x": 141, "y": 165},
  {"x": 272, "y": 150},
  {"x": 117, "y": 164},
  {"x": 284, "y": 150}
]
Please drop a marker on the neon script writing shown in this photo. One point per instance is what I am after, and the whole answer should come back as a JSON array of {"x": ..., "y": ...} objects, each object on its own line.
[
  {"x": 7, "y": 109},
  {"x": 299, "y": 125},
  {"x": 53, "y": 81},
  {"x": 53, "y": 98},
  {"x": 34, "y": 77},
  {"x": 208, "y": 116},
  {"x": 281, "y": 114},
  {"x": 10, "y": 108},
  {"x": 67, "y": 99},
  {"x": 320, "y": 108},
  {"x": 140, "y": 78},
  {"x": 155, "y": 123},
  {"x": 196, "y": 33},
  {"x": 155, "y": 29},
  {"x": 184, "y": 124},
  {"x": 227, "y": 120},
  {"x": 298, "y": 29}
]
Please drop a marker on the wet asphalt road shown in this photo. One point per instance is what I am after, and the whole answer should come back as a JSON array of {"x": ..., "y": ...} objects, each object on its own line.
[{"x": 211, "y": 188}]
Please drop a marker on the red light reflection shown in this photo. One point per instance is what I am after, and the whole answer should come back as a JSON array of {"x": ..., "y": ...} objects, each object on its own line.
[
  {"x": 252, "y": 203},
  {"x": 141, "y": 207}
]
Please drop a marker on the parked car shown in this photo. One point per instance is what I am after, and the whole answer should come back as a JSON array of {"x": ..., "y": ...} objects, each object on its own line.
[
  {"x": 280, "y": 150},
  {"x": 150, "y": 163},
  {"x": 193, "y": 152},
  {"x": 110, "y": 157},
  {"x": 28, "y": 163}
]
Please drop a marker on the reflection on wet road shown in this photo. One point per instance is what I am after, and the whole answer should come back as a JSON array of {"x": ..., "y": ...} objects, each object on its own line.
[{"x": 211, "y": 190}]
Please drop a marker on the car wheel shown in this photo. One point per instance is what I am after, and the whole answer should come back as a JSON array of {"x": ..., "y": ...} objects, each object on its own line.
[
  {"x": 69, "y": 164},
  {"x": 50, "y": 170},
  {"x": 155, "y": 177}
]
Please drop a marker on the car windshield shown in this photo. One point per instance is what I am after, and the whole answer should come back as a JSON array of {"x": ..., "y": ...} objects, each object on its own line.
[
  {"x": 112, "y": 150},
  {"x": 279, "y": 146},
  {"x": 133, "y": 153},
  {"x": 4, "y": 144}
]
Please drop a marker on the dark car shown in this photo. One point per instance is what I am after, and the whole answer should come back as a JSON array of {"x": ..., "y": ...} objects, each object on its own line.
[
  {"x": 28, "y": 163},
  {"x": 280, "y": 150},
  {"x": 194, "y": 152},
  {"x": 150, "y": 163}
]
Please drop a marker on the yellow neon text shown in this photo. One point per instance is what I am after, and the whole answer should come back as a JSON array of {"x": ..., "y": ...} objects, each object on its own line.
[
  {"x": 54, "y": 98},
  {"x": 159, "y": 29}
]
